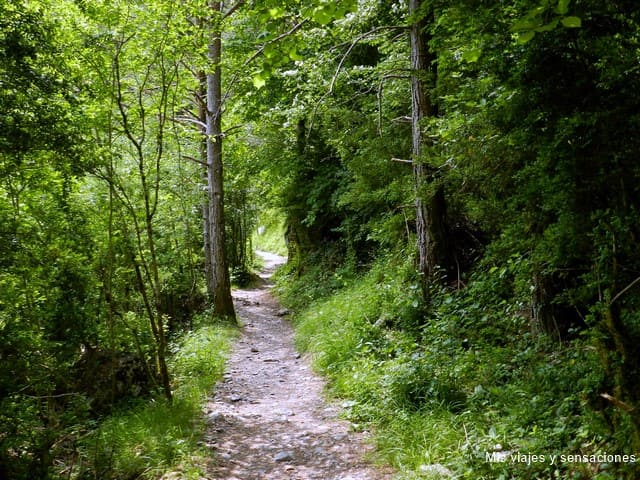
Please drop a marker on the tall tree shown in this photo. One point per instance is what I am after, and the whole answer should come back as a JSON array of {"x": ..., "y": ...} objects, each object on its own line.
[
  {"x": 277, "y": 48},
  {"x": 219, "y": 281},
  {"x": 430, "y": 198}
]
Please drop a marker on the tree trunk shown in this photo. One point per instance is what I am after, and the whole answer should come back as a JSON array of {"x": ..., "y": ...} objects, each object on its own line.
[
  {"x": 430, "y": 206},
  {"x": 222, "y": 302},
  {"x": 206, "y": 223},
  {"x": 147, "y": 270}
]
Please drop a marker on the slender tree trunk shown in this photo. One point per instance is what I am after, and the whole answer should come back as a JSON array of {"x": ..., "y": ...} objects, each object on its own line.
[
  {"x": 222, "y": 302},
  {"x": 147, "y": 271},
  {"x": 206, "y": 222},
  {"x": 430, "y": 207}
]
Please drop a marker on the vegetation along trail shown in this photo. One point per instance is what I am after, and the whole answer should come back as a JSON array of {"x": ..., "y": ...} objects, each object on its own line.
[{"x": 268, "y": 418}]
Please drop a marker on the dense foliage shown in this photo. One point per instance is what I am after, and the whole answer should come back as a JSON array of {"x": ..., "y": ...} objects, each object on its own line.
[
  {"x": 528, "y": 337},
  {"x": 101, "y": 266},
  {"x": 461, "y": 232}
]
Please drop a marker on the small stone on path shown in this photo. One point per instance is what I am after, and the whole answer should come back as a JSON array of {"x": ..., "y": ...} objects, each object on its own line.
[{"x": 285, "y": 456}]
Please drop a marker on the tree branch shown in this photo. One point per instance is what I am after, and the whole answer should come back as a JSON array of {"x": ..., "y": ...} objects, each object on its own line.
[
  {"x": 382, "y": 80},
  {"x": 235, "y": 76},
  {"x": 231, "y": 129},
  {"x": 293, "y": 30},
  {"x": 195, "y": 121},
  {"x": 47, "y": 397},
  {"x": 624, "y": 290},
  {"x": 231, "y": 10},
  {"x": 353, "y": 45},
  {"x": 195, "y": 160},
  {"x": 341, "y": 63},
  {"x": 618, "y": 403}
]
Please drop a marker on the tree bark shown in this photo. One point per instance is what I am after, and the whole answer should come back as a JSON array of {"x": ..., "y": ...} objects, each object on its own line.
[
  {"x": 206, "y": 223},
  {"x": 221, "y": 285},
  {"x": 430, "y": 206}
]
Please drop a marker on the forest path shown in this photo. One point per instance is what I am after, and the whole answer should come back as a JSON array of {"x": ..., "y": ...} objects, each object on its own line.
[{"x": 268, "y": 419}]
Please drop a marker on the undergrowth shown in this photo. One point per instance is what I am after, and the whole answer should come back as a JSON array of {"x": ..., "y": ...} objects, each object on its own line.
[
  {"x": 460, "y": 387},
  {"x": 147, "y": 439}
]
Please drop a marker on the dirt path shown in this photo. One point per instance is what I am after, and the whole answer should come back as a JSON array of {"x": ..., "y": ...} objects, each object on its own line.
[{"x": 268, "y": 419}]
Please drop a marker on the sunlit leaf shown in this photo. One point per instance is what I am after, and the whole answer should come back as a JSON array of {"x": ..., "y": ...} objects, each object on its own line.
[
  {"x": 270, "y": 50},
  {"x": 259, "y": 81},
  {"x": 322, "y": 16},
  {"x": 524, "y": 37},
  {"x": 524, "y": 24},
  {"x": 548, "y": 27},
  {"x": 572, "y": 22},
  {"x": 294, "y": 55},
  {"x": 472, "y": 55}
]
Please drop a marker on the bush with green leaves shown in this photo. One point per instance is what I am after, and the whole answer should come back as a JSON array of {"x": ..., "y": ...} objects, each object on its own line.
[
  {"x": 148, "y": 438},
  {"x": 462, "y": 379}
]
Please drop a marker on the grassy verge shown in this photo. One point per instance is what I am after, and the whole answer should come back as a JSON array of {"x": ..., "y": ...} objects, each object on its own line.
[
  {"x": 460, "y": 388},
  {"x": 154, "y": 437}
]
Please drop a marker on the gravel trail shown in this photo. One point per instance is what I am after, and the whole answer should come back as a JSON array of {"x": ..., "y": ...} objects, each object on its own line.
[{"x": 268, "y": 418}]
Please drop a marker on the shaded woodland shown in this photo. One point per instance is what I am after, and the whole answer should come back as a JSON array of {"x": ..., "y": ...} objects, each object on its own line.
[{"x": 455, "y": 184}]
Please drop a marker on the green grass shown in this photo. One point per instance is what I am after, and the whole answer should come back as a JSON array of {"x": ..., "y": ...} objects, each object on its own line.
[
  {"x": 410, "y": 441},
  {"x": 154, "y": 437},
  {"x": 446, "y": 384}
]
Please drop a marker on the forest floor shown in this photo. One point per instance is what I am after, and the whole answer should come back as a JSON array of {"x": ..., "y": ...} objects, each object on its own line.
[{"x": 268, "y": 419}]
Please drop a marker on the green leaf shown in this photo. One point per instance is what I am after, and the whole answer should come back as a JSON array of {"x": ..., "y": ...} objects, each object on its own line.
[
  {"x": 270, "y": 50},
  {"x": 525, "y": 24},
  {"x": 259, "y": 81},
  {"x": 563, "y": 7},
  {"x": 524, "y": 37},
  {"x": 277, "y": 12},
  {"x": 294, "y": 55},
  {"x": 322, "y": 16},
  {"x": 548, "y": 27},
  {"x": 572, "y": 22},
  {"x": 471, "y": 55}
]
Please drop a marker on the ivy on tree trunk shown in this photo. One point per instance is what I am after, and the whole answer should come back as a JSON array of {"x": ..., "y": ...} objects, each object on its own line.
[{"x": 430, "y": 202}]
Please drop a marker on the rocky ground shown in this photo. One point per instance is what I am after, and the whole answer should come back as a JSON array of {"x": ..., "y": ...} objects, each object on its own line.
[{"x": 269, "y": 419}]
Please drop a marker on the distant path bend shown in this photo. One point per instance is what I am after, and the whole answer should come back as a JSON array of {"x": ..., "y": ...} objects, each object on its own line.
[{"x": 268, "y": 420}]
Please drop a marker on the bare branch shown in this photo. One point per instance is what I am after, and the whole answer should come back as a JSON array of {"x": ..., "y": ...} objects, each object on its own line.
[
  {"x": 195, "y": 160},
  {"x": 401, "y": 160},
  {"x": 365, "y": 35},
  {"x": 231, "y": 129},
  {"x": 618, "y": 403},
  {"x": 195, "y": 121},
  {"x": 47, "y": 397},
  {"x": 231, "y": 10},
  {"x": 189, "y": 68},
  {"x": 258, "y": 52},
  {"x": 353, "y": 45},
  {"x": 624, "y": 290}
]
